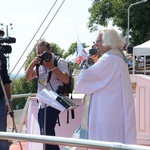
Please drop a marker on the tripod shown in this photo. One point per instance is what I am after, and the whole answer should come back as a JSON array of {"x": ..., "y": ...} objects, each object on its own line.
[{"x": 11, "y": 113}]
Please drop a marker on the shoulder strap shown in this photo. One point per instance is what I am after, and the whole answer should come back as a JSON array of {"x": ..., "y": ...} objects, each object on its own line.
[
  {"x": 37, "y": 71},
  {"x": 56, "y": 58}
]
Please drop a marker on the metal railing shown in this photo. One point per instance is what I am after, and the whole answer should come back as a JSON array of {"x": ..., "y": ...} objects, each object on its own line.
[
  {"x": 70, "y": 141},
  {"x": 67, "y": 141},
  {"x": 23, "y": 95}
]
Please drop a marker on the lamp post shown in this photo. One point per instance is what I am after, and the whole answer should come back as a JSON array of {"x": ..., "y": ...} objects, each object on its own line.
[{"x": 142, "y": 1}]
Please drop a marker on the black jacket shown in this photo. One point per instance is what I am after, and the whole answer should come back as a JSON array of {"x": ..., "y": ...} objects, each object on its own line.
[{"x": 3, "y": 73}]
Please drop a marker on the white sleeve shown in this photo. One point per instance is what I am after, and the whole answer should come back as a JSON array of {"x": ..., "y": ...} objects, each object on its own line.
[{"x": 62, "y": 65}]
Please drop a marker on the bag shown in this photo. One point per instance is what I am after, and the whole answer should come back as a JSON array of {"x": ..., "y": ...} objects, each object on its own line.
[{"x": 66, "y": 88}]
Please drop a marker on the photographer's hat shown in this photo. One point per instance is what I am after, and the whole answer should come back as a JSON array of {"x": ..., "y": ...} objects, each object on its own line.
[{"x": 93, "y": 51}]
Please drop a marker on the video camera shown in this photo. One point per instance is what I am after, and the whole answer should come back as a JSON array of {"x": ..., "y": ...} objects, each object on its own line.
[{"x": 6, "y": 48}]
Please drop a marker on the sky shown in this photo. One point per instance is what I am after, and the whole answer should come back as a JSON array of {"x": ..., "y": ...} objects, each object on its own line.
[{"x": 26, "y": 17}]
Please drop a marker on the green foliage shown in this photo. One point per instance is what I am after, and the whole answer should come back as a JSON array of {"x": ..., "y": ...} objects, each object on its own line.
[
  {"x": 102, "y": 11},
  {"x": 57, "y": 50},
  {"x": 71, "y": 50},
  {"x": 21, "y": 86},
  {"x": 30, "y": 57}
]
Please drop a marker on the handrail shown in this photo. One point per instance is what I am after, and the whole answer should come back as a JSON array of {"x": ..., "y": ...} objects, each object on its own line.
[
  {"x": 67, "y": 141},
  {"x": 70, "y": 141},
  {"x": 23, "y": 95}
]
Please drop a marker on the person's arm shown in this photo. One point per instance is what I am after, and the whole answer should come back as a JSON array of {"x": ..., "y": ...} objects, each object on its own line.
[
  {"x": 8, "y": 93},
  {"x": 62, "y": 76},
  {"x": 30, "y": 73},
  {"x": 6, "y": 80},
  {"x": 8, "y": 90}
]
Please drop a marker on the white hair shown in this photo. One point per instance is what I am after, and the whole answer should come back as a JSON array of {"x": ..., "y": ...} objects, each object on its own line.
[{"x": 111, "y": 39}]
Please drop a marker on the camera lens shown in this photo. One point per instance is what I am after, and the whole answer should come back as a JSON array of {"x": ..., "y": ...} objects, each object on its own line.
[{"x": 46, "y": 56}]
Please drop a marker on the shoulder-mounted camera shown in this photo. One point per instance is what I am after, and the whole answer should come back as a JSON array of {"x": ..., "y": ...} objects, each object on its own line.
[{"x": 6, "y": 48}]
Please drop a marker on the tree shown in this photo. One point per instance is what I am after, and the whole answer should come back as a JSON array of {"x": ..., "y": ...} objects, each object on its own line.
[
  {"x": 104, "y": 11},
  {"x": 57, "y": 50},
  {"x": 24, "y": 88},
  {"x": 71, "y": 50}
]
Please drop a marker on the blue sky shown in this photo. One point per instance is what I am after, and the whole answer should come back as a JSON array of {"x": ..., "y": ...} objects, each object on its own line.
[{"x": 26, "y": 17}]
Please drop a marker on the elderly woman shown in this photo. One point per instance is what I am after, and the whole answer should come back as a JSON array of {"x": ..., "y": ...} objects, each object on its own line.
[{"x": 111, "y": 114}]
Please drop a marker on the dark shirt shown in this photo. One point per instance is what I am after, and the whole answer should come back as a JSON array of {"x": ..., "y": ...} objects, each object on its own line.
[
  {"x": 3, "y": 73},
  {"x": 129, "y": 50}
]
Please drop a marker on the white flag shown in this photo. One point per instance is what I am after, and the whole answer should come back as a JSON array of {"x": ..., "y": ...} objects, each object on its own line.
[
  {"x": 82, "y": 55},
  {"x": 72, "y": 58},
  {"x": 69, "y": 58}
]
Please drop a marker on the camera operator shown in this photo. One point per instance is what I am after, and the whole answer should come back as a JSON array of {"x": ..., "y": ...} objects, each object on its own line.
[
  {"x": 5, "y": 80},
  {"x": 49, "y": 77}
]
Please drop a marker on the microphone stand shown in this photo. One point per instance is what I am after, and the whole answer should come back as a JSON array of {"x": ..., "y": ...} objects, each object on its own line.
[{"x": 11, "y": 113}]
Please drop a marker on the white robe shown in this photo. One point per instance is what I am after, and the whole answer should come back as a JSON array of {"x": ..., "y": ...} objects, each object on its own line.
[{"x": 111, "y": 114}]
